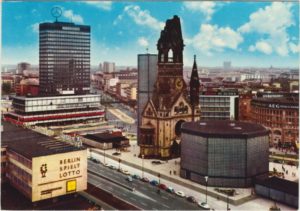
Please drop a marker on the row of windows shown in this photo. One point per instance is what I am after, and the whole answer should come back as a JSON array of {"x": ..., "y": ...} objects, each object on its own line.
[
  {"x": 69, "y": 51},
  {"x": 78, "y": 36},
  {"x": 66, "y": 43},
  {"x": 214, "y": 104},
  {"x": 215, "y": 109},
  {"x": 20, "y": 159},
  {"x": 69, "y": 47},
  {"x": 219, "y": 114},
  {"x": 60, "y": 32},
  {"x": 214, "y": 99}
]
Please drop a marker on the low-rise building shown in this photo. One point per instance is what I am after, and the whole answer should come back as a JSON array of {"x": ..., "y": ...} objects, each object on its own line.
[
  {"x": 41, "y": 167},
  {"x": 219, "y": 104},
  {"x": 55, "y": 109}
]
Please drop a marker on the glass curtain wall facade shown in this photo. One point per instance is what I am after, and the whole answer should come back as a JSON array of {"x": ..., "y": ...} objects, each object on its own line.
[{"x": 64, "y": 58}]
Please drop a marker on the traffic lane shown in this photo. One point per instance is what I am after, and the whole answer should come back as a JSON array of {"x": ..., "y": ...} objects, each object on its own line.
[
  {"x": 123, "y": 193},
  {"x": 216, "y": 204},
  {"x": 170, "y": 201}
]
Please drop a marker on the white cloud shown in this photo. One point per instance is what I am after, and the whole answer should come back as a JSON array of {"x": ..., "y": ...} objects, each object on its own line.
[
  {"x": 261, "y": 46},
  {"x": 104, "y": 5},
  {"x": 143, "y": 17},
  {"x": 118, "y": 19},
  {"x": 294, "y": 47},
  {"x": 271, "y": 21},
  {"x": 35, "y": 27},
  {"x": 142, "y": 41},
  {"x": 207, "y": 8},
  {"x": 213, "y": 38},
  {"x": 73, "y": 17}
]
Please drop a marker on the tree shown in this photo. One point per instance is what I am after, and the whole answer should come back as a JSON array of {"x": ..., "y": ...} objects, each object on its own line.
[{"x": 6, "y": 88}]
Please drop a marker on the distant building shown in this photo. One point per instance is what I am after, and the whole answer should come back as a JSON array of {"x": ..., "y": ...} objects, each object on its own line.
[
  {"x": 64, "y": 58},
  {"x": 280, "y": 115},
  {"x": 226, "y": 151},
  {"x": 147, "y": 73},
  {"x": 245, "y": 107},
  {"x": 219, "y": 104},
  {"x": 227, "y": 65},
  {"x": 41, "y": 167},
  {"x": 22, "y": 66},
  {"x": 109, "y": 67}
]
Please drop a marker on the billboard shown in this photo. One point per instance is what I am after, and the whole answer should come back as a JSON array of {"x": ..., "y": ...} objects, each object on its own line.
[{"x": 59, "y": 174}]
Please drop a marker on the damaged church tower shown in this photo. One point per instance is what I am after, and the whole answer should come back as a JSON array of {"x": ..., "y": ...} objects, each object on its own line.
[{"x": 169, "y": 107}]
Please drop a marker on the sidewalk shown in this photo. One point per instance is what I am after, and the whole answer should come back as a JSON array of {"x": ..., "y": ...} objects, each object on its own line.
[{"x": 131, "y": 159}]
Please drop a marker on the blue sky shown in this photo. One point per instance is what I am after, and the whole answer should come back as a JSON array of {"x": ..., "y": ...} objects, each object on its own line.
[{"x": 248, "y": 34}]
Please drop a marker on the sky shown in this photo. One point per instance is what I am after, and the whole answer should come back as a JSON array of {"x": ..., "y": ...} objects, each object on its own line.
[{"x": 256, "y": 34}]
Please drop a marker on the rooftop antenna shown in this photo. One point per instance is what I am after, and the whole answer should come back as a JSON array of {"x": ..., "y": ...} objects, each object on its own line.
[{"x": 56, "y": 12}]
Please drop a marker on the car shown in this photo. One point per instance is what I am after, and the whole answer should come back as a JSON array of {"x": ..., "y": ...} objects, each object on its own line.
[
  {"x": 191, "y": 199},
  {"x": 170, "y": 190},
  {"x": 180, "y": 193},
  {"x": 125, "y": 172},
  {"x": 106, "y": 164},
  {"x": 163, "y": 186},
  {"x": 96, "y": 161},
  {"x": 145, "y": 179},
  {"x": 135, "y": 176},
  {"x": 204, "y": 205},
  {"x": 116, "y": 153},
  {"x": 156, "y": 162},
  {"x": 112, "y": 167},
  {"x": 129, "y": 179},
  {"x": 154, "y": 182}
]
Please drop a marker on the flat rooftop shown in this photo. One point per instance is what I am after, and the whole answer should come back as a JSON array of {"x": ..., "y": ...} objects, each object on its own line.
[
  {"x": 224, "y": 129},
  {"x": 32, "y": 144},
  {"x": 105, "y": 137},
  {"x": 280, "y": 185}
]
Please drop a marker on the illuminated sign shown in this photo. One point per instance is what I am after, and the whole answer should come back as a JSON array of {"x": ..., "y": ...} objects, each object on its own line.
[{"x": 69, "y": 167}]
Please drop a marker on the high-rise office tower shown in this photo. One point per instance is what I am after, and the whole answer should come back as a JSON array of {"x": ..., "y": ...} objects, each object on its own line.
[
  {"x": 64, "y": 58},
  {"x": 147, "y": 73}
]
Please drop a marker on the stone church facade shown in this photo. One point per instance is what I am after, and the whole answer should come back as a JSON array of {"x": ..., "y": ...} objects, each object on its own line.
[{"x": 170, "y": 105}]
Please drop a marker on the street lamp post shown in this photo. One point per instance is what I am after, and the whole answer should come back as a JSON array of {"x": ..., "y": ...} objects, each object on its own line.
[
  {"x": 206, "y": 179},
  {"x": 142, "y": 166},
  {"x": 228, "y": 203},
  {"x": 104, "y": 147},
  {"x": 119, "y": 164}
]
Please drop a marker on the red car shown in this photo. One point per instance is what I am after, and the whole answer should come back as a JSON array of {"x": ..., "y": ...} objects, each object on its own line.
[
  {"x": 145, "y": 179},
  {"x": 163, "y": 186}
]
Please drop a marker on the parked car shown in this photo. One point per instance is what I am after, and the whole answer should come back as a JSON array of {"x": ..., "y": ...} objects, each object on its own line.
[
  {"x": 125, "y": 172},
  {"x": 163, "y": 186},
  {"x": 156, "y": 162},
  {"x": 154, "y": 183},
  {"x": 96, "y": 161},
  {"x": 170, "y": 190},
  {"x": 116, "y": 153},
  {"x": 180, "y": 193},
  {"x": 129, "y": 179},
  {"x": 191, "y": 199},
  {"x": 204, "y": 205},
  {"x": 135, "y": 176},
  {"x": 145, "y": 179},
  {"x": 106, "y": 164},
  {"x": 112, "y": 167}
]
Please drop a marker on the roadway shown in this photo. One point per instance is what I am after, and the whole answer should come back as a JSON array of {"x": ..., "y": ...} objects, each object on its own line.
[{"x": 144, "y": 196}]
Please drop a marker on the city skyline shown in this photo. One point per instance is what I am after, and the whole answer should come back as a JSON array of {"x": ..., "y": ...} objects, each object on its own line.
[{"x": 215, "y": 31}]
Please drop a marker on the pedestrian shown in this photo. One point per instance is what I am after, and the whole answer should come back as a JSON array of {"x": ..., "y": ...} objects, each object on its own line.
[
  {"x": 174, "y": 172},
  {"x": 170, "y": 172}
]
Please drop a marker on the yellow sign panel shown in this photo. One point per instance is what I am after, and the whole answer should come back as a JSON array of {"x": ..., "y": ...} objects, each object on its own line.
[{"x": 71, "y": 185}]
